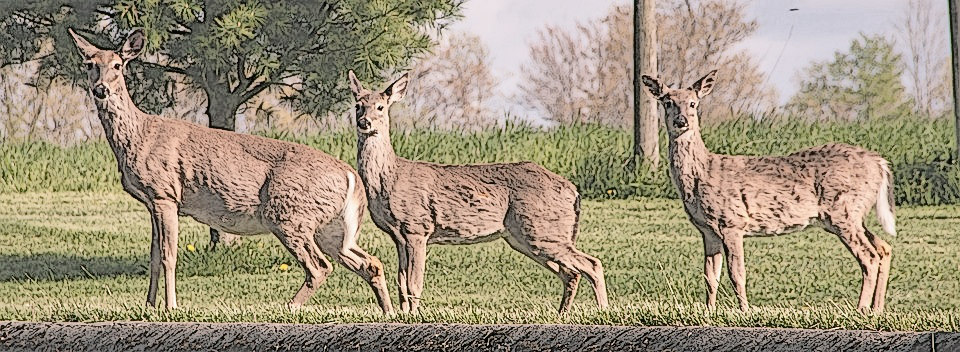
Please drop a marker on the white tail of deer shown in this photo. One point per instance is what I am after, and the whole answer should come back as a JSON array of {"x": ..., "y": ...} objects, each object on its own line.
[
  {"x": 417, "y": 203},
  {"x": 729, "y": 197},
  {"x": 232, "y": 182}
]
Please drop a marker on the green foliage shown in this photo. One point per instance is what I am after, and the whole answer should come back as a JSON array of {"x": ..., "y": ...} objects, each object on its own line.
[
  {"x": 84, "y": 256},
  {"x": 232, "y": 49},
  {"x": 593, "y": 157},
  {"x": 859, "y": 84}
]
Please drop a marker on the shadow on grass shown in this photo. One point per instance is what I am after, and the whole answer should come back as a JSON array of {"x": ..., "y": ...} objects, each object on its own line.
[{"x": 59, "y": 267}]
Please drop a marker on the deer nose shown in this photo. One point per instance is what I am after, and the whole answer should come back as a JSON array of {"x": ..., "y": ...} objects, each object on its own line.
[
  {"x": 680, "y": 122},
  {"x": 363, "y": 124},
  {"x": 100, "y": 91}
]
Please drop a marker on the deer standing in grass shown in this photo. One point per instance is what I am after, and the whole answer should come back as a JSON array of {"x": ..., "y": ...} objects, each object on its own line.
[
  {"x": 729, "y": 197},
  {"x": 418, "y": 203},
  {"x": 232, "y": 182}
]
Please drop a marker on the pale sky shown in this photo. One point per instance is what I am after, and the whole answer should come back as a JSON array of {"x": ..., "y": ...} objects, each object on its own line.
[{"x": 820, "y": 27}]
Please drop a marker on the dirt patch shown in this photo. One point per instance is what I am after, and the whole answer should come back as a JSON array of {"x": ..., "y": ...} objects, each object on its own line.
[{"x": 136, "y": 336}]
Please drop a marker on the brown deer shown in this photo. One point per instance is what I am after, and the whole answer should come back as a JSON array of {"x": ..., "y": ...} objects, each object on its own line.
[
  {"x": 729, "y": 197},
  {"x": 419, "y": 203},
  {"x": 232, "y": 182}
]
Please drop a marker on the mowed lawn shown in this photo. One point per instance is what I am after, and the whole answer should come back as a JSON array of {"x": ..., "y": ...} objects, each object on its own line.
[{"x": 84, "y": 257}]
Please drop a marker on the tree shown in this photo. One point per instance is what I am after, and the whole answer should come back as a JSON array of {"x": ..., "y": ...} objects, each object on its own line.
[
  {"x": 856, "y": 85},
  {"x": 921, "y": 30},
  {"x": 585, "y": 73},
  {"x": 452, "y": 87},
  {"x": 232, "y": 50},
  {"x": 645, "y": 118}
]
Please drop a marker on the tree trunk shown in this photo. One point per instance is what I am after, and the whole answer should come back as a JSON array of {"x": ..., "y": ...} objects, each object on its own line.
[
  {"x": 221, "y": 114},
  {"x": 645, "y": 120},
  {"x": 955, "y": 54}
]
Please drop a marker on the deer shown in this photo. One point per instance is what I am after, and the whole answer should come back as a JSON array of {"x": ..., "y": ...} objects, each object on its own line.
[
  {"x": 418, "y": 203},
  {"x": 730, "y": 197},
  {"x": 232, "y": 182}
]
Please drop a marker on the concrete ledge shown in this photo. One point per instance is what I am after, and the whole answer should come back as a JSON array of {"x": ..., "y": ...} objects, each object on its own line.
[{"x": 138, "y": 336}]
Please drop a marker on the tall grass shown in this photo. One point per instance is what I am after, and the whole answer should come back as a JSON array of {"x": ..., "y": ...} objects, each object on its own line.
[{"x": 593, "y": 157}]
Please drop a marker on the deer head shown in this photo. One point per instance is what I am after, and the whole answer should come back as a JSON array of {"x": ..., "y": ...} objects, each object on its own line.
[
  {"x": 105, "y": 67},
  {"x": 680, "y": 106},
  {"x": 373, "y": 108}
]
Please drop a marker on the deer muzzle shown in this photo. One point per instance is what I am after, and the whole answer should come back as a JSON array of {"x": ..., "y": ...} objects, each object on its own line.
[{"x": 100, "y": 91}]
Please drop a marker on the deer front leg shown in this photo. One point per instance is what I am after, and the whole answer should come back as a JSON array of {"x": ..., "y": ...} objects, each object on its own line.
[
  {"x": 416, "y": 249},
  {"x": 154, "y": 260},
  {"x": 402, "y": 277},
  {"x": 168, "y": 226},
  {"x": 733, "y": 245},
  {"x": 712, "y": 263}
]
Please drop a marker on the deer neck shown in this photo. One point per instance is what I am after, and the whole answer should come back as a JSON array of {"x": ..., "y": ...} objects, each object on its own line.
[
  {"x": 688, "y": 157},
  {"x": 123, "y": 123},
  {"x": 376, "y": 162}
]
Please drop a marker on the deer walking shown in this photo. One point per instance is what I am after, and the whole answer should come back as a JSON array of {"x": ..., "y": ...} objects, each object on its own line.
[
  {"x": 418, "y": 203},
  {"x": 729, "y": 197},
  {"x": 232, "y": 182}
]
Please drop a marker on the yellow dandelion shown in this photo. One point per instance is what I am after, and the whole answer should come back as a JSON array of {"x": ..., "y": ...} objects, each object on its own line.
[
  {"x": 191, "y": 248},
  {"x": 284, "y": 267}
]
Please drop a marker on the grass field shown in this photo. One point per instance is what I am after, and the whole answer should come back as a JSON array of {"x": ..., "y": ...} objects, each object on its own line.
[{"x": 83, "y": 257}]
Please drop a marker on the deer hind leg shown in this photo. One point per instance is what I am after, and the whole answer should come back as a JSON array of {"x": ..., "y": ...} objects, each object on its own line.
[
  {"x": 884, "y": 250},
  {"x": 166, "y": 213},
  {"x": 712, "y": 264},
  {"x": 854, "y": 237},
  {"x": 569, "y": 276},
  {"x": 354, "y": 258},
  {"x": 733, "y": 246},
  {"x": 315, "y": 266}
]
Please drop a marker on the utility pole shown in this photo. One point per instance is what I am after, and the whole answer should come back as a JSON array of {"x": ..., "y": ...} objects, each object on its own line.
[
  {"x": 645, "y": 120},
  {"x": 955, "y": 54}
]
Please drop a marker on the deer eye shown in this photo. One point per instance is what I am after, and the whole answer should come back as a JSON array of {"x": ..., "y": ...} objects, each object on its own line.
[
  {"x": 88, "y": 65},
  {"x": 693, "y": 104},
  {"x": 116, "y": 66},
  {"x": 379, "y": 107}
]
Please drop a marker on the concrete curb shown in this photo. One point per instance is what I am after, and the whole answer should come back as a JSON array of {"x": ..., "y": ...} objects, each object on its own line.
[{"x": 139, "y": 336}]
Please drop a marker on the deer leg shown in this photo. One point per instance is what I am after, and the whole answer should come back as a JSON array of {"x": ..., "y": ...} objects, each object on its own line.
[
  {"x": 712, "y": 264},
  {"x": 316, "y": 268},
  {"x": 155, "y": 267},
  {"x": 568, "y": 275},
  {"x": 593, "y": 270},
  {"x": 883, "y": 271},
  {"x": 855, "y": 239},
  {"x": 416, "y": 265},
  {"x": 733, "y": 246},
  {"x": 168, "y": 226},
  {"x": 351, "y": 256},
  {"x": 402, "y": 274}
]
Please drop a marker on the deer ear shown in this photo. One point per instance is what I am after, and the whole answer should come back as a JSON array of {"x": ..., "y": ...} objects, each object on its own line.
[
  {"x": 133, "y": 46},
  {"x": 653, "y": 85},
  {"x": 86, "y": 49},
  {"x": 705, "y": 85},
  {"x": 355, "y": 85},
  {"x": 396, "y": 90}
]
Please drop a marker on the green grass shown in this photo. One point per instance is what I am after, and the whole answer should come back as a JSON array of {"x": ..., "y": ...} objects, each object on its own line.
[
  {"x": 83, "y": 257},
  {"x": 591, "y": 156}
]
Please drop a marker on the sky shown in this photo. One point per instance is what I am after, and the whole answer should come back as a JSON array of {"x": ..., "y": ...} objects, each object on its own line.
[{"x": 785, "y": 42}]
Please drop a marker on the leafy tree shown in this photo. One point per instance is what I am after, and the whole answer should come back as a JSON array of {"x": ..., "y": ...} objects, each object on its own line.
[
  {"x": 232, "y": 50},
  {"x": 856, "y": 85}
]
